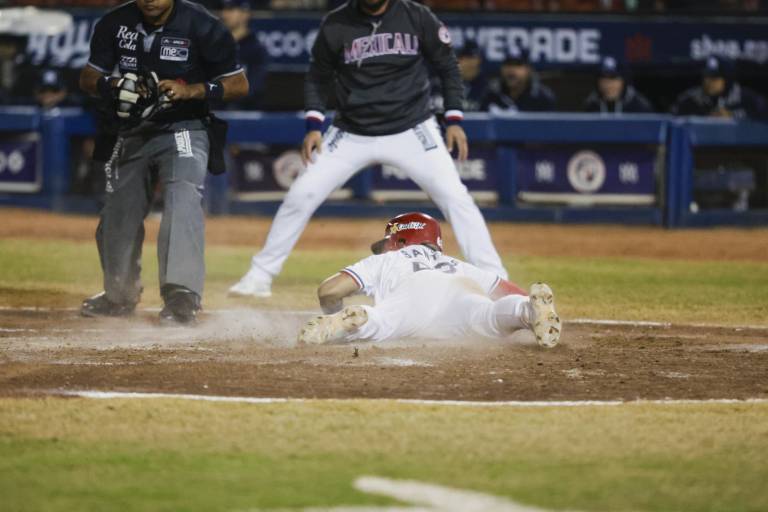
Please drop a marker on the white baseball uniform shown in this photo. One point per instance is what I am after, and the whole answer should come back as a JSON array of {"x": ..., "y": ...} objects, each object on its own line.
[
  {"x": 422, "y": 293},
  {"x": 420, "y": 152}
]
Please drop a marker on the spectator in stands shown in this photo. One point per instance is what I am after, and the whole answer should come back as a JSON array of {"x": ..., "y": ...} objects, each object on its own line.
[
  {"x": 471, "y": 68},
  {"x": 11, "y": 52},
  {"x": 719, "y": 95},
  {"x": 51, "y": 90},
  {"x": 613, "y": 94},
  {"x": 236, "y": 16},
  {"x": 518, "y": 88}
]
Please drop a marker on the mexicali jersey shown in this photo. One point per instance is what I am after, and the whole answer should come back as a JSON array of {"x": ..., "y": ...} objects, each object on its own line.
[{"x": 381, "y": 275}]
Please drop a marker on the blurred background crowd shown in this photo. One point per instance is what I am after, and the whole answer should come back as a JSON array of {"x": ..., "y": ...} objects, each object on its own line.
[
  {"x": 718, "y": 87},
  {"x": 588, "y": 6},
  {"x": 681, "y": 57}
]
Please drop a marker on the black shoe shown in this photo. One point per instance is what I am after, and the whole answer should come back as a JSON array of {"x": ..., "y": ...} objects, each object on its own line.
[
  {"x": 181, "y": 305},
  {"x": 100, "y": 305}
]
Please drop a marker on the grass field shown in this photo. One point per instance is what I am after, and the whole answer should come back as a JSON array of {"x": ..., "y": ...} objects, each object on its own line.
[
  {"x": 173, "y": 455},
  {"x": 734, "y": 293},
  {"x": 167, "y": 454}
]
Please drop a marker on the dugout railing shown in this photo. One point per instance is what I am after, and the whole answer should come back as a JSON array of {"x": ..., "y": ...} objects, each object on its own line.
[{"x": 42, "y": 142}]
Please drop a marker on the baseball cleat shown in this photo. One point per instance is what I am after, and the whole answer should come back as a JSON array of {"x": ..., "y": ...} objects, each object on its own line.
[
  {"x": 333, "y": 328},
  {"x": 255, "y": 283},
  {"x": 100, "y": 305},
  {"x": 546, "y": 323}
]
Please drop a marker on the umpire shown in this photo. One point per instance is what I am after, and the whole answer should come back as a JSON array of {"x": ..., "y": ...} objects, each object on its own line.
[{"x": 158, "y": 63}]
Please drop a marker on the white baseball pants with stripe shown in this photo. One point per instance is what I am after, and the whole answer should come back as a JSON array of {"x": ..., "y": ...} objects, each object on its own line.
[
  {"x": 419, "y": 152},
  {"x": 434, "y": 305}
]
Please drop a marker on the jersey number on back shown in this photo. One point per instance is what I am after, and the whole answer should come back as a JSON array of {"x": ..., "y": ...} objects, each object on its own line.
[{"x": 447, "y": 267}]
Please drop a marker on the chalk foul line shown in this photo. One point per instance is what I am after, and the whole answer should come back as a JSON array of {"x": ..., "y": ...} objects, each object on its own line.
[
  {"x": 110, "y": 395},
  {"x": 420, "y": 497}
]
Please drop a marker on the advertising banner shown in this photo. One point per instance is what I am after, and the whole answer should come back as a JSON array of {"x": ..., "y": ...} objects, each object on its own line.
[
  {"x": 20, "y": 163},
  {"x": 552, "y": 43},
  {"x": 478, "y": 173},
  {"x": 265, "y": 173},
  {"x": 593, "y": 176}
]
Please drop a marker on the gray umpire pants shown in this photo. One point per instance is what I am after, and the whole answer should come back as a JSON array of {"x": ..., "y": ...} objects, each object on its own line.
[{"x": 180, "y": 159}]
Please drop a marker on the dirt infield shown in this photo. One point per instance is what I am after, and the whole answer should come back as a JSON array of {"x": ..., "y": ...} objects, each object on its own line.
[
  {"x": 253, "y": 355},
  {"x": 519, "y": 239},
  {"x": 251, "y": 352}
]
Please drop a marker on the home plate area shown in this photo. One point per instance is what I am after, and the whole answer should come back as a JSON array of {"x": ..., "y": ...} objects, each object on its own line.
[{"x": 253, "y": 353}]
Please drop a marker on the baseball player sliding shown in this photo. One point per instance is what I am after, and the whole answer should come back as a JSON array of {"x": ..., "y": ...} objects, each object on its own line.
[
  {"x": 375, "y": 54},
  {"x": 420, "y": 292}
]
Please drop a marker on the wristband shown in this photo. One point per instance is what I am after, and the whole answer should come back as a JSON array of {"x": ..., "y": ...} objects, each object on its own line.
[
  {"x": 314, "y": 121},
  {"x": 453, "y": 117},
  {"x": 314, "y": 125},
  {"x": 214, "y": 90},
  {"x": 105, "y": 89}
]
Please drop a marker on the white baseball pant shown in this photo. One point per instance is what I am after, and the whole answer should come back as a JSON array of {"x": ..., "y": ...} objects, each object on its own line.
[
  {"x": 419, "y": 152},
  {"x": 443, "y": 306}
]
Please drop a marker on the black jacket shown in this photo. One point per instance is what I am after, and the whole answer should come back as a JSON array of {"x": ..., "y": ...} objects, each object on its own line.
[
  {"x": 630, "y": 102},
  {"x": 537, "y": 97},
  {"x": 378, "y": 67},
  {"x": 742, "y": 102},
  {"x": 192, "y": 46}
]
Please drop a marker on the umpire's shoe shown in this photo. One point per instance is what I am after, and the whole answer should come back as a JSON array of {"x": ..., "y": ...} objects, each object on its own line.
[
  {"x": 100, "y": 305},
  {"x": 181, "y": 305}
]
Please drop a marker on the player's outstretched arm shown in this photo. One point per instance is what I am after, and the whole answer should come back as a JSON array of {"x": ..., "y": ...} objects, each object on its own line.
[{"x": 334, "y": 290}]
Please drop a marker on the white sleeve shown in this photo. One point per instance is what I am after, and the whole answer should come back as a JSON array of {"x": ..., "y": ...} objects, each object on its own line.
[
  {"x": 485, "y": 279},
  {"x": 366, "y": 272}
]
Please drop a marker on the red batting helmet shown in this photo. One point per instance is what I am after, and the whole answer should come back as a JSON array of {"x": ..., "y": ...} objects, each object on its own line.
[{"x": 410, "y": 229}]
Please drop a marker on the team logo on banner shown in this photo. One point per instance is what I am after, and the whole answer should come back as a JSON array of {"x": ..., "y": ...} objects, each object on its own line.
[
  {"x": 286, "y": 168},
  {"x": 586, "y": 172}
]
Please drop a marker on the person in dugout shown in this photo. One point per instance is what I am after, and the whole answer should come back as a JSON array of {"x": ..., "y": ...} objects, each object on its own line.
[
  {"x": 614, "y": 94},
  {"x": 720, "y": 95},
  {"x": 518, "y": 88},
  {"x": 236, "y": 16}
]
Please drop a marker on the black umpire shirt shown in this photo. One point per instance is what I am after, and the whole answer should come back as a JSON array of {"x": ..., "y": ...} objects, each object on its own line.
[
  {"x": 192, "y": 47},
  {"x": 379, "y": 66}
]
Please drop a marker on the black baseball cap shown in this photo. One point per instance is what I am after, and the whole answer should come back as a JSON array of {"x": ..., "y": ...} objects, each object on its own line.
[
  {"x": 235, "y": 4},
  {"x": 517, "y": 56},
  {"x": 611, "y": 68},
  {"x": 470, "y": 49},
  {"x": 51, "y": 79},
  {"x": 714, "y": 67}
]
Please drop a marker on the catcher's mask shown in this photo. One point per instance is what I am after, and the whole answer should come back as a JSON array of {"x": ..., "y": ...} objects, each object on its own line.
[
  {"x": 409, "y": 229},
  {"x": 139, "y": 97}
]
